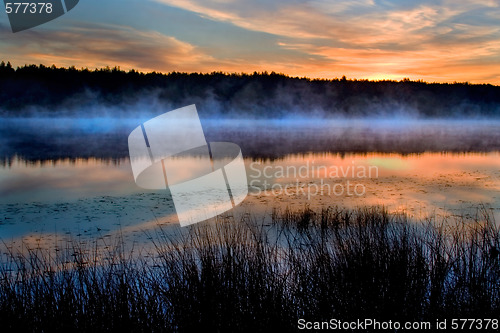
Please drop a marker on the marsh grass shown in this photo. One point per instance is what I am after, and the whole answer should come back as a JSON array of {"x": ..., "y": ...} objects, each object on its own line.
[{"x": 246, "y": 276}]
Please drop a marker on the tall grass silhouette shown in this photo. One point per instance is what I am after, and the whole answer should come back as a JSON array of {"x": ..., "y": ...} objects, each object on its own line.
[{"x": 246, "y": 276}]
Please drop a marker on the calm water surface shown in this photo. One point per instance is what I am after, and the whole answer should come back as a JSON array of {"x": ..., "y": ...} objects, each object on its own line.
[{"x": 50, "y": 198}]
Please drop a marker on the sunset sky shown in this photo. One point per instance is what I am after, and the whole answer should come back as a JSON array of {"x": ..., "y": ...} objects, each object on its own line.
[{"x": 442, "y": 41}]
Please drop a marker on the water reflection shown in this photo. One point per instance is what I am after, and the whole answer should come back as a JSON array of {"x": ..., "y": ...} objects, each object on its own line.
[
  {"x": 63, "y": 180},
  {"x": 90, "y": 197},
  {"x": 419, "y": 184},
  {"x": 59, "y": 138}
]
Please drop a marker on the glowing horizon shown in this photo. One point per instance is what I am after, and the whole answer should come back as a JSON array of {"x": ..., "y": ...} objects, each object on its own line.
[{"x": 364, "y": 39}]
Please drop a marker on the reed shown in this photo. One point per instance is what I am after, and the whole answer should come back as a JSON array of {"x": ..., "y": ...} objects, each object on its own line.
[{"x": 239, "y": 276}]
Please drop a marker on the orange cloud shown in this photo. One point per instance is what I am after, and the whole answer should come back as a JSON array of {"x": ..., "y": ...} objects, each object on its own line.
[
  {"x": 91, "y": 46},
  {"x": 446, "y": 42},
  {"x": 318, "y": 38}
]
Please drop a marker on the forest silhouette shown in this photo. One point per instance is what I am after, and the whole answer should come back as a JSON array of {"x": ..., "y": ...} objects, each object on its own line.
[{"x": 28, "y": 89}]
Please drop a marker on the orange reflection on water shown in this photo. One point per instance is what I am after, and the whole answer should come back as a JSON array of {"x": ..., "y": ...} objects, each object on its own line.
[
  {"x": 420, "y": 184},
  {"x": 67, "y": 179},
  {"x": 90, "y": 197}
]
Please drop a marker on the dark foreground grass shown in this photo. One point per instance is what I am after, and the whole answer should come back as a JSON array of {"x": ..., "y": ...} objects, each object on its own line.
[{"x": 242, "y": 276}]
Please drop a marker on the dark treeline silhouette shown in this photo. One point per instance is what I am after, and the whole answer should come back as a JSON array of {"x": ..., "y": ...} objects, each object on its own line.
[{"x": 32, "y": 89}]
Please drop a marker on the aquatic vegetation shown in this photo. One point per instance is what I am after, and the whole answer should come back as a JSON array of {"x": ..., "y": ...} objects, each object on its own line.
[{"x": 252, "y": 276}]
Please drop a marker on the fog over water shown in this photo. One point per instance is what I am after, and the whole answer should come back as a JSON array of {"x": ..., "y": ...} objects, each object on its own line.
[
  {"x": 106, "y": 137},
  {"x": 71, "y": 175}
]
